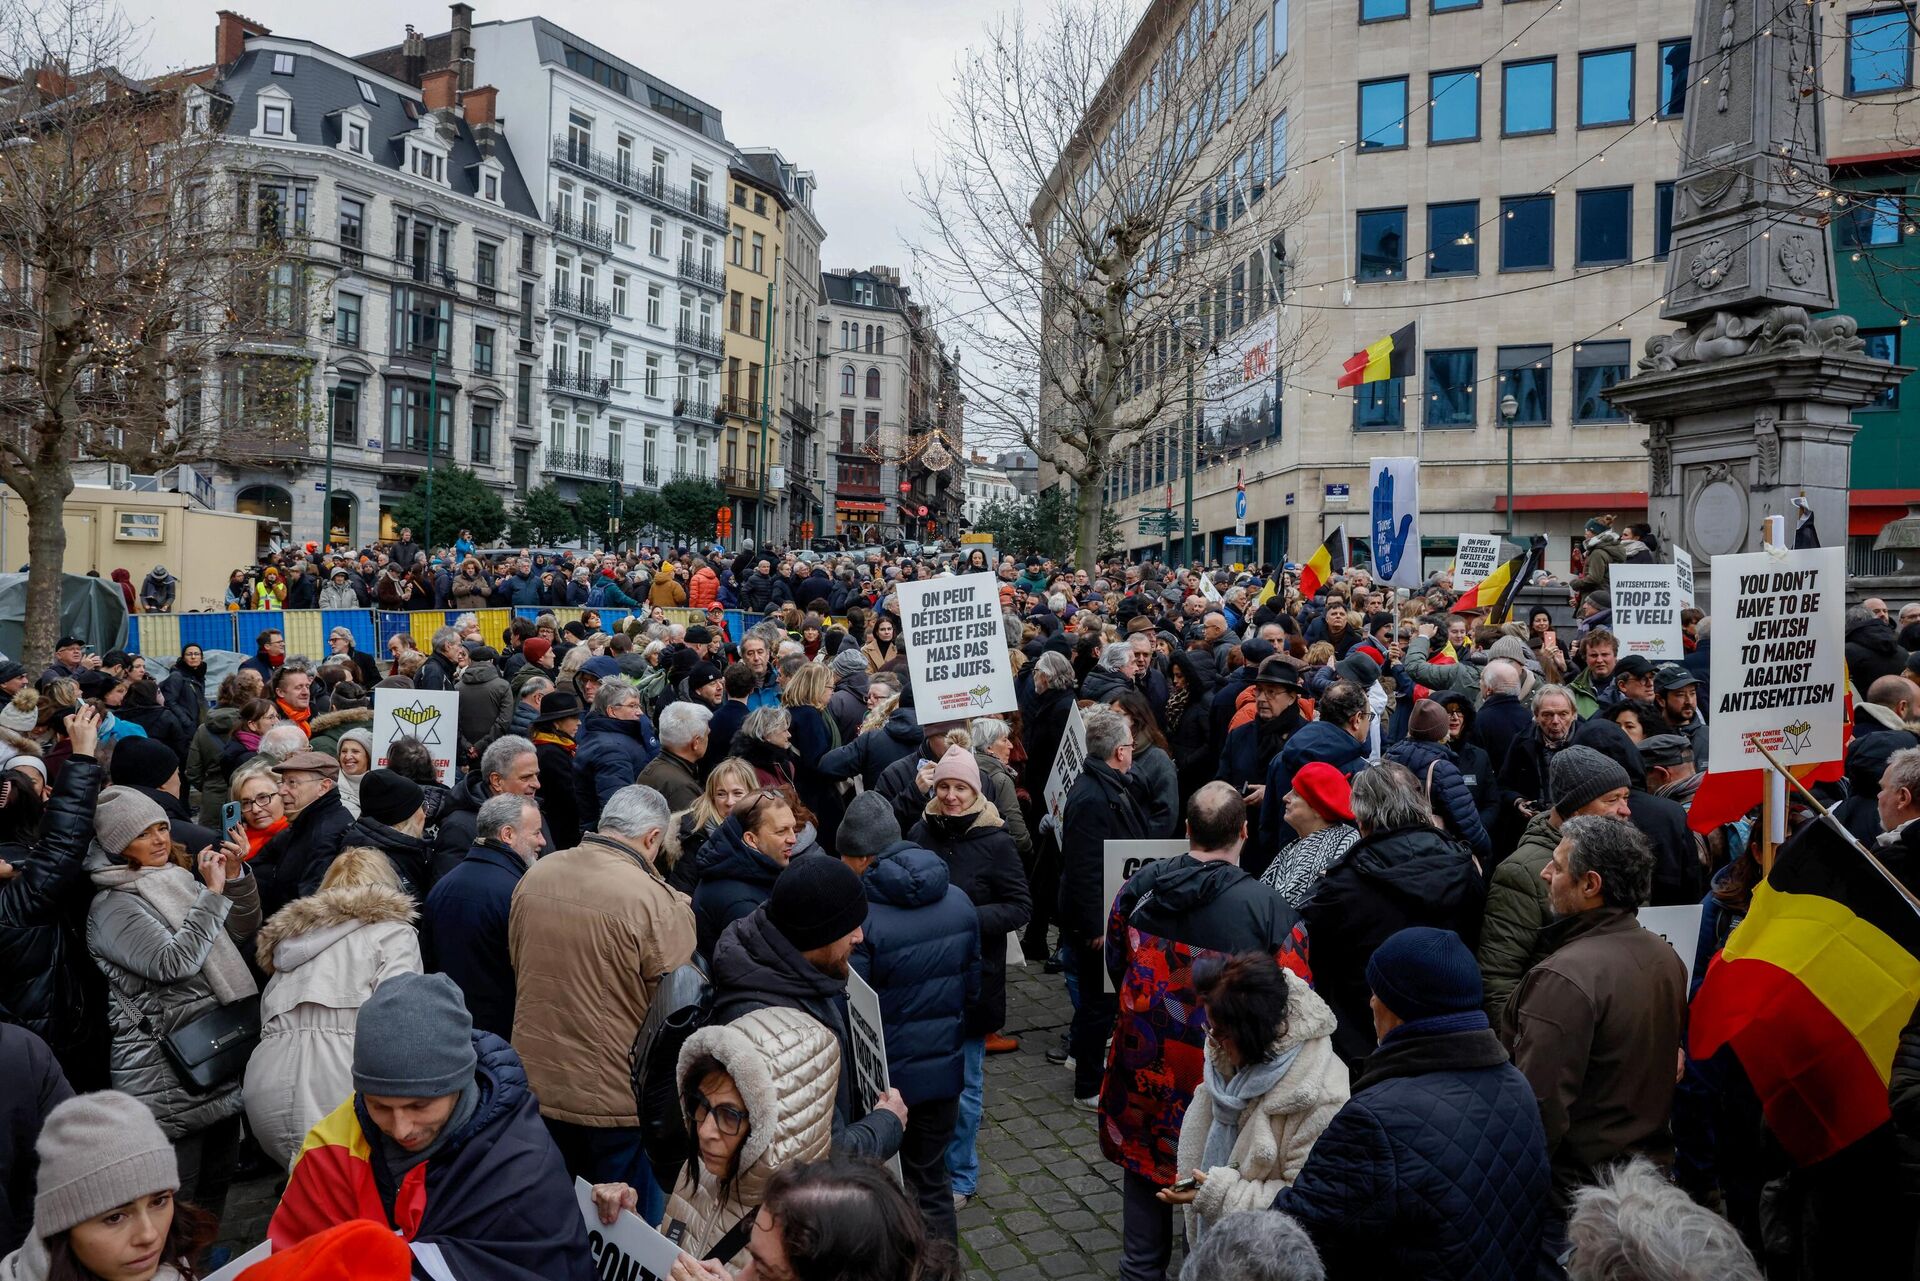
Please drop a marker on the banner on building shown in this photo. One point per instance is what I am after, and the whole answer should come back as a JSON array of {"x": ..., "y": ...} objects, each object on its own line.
[
  {"x": 956, "y": 648},
  {"x": 1646, "y": 611},
  {"x": 1474, "y": 559},
  {"x": 1123, "y": 859},
  {"x": 1067, "y": 765},
  {"x": 1779, "y": 658},
  {"x": 627, "y": 1247},
  {"x": 1683, "y": 574},
  {"x": 1241, "y": 385},
  {"x": 430, "y": 715},
  {"x": 1394, "y": 525}
]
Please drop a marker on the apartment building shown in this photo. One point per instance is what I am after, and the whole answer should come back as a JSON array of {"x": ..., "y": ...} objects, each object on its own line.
[
  {"x": 1499, "y": 175},
  {"x": 865, "y": 403},
  {"x": 410, "y": 242},
  {"x": 751, "y": 400},
  {"x": 986, "y": 484}
]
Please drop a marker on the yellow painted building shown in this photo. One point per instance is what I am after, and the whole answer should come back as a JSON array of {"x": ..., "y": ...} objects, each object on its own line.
[{"x": 749, "y": 452}]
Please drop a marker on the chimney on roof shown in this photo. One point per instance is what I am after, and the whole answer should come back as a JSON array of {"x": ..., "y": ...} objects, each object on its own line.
[
  {"x": 51, "y": 81},
  {"x": 480, "y": 103},
  {"x": 460, "y": 40},
  {"x": 437, "y": 89},
  {"x": 413, "y": 56},
  {"x": 230, "y": 37}
]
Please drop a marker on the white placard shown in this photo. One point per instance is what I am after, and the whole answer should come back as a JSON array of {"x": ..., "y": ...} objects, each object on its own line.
[
  {"x": 867, "y": 1031},
  {"x": 1779, "y": 651},
  {"x": 1393, "y": 526},
  {"x": 956, "y": 648},
  {"x": 430, "y": 715},
  {"x": 1679, "y": 926},
  {"x": 1646, "y": 611},
  {"x": 627, "y": 1247},
  {"x": 236, "y": 1266},
  {"x": 1477, "y": 556},
  {"x": 1241, "y": 386},
  {"x": 1067, "y": 765},
  {"x": 1683, "y": 574},
  {"x": 1123, "y": 859}
]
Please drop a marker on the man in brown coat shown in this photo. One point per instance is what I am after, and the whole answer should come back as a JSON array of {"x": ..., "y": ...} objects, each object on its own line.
[
  {"x": 592, "y": 931},
  {"x": 1596, "y": 1025}
]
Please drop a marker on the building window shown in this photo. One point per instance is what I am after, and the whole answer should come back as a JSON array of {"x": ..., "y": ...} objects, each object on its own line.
[
  {"x": 1277, "y": 147},
  {"x": 1526, "y": 233},
  {"x": 282, "y": 64},
  {"x": 623, "y": 224},
  {"x": 650, "y": 377},
  {"x": 1383, "y": 245},
  {"x": 1526, "y": 97},
  {"x": 345, "y": 414},
  {"x": 1883, "y": 344},
  {"x": 1455, "y": 113},
  {"x": 483, "y": 349},
  {"x": 1662, "y": 219},
  {"x": 1871, "y": 221},
  {"x": 1676, "y": 58},
  {"x": 1879, "y": 51},
  {"x": 1606, "y": 87},
  {"x": 847, "y": 387},
  {"x": 346, "y": 320},
  {"x": 619, "y": 294},
  {"x": 1450, "y": 388},
  {"x": 1603, "y": 226},
  {"x": 482, "y": 444},
  {"x": 366, "y": 93},
  {"x": 1447, "y": 6},
  {"x": 422, "y": 323},
  {"x": 356, "y": 137},
  {"x": 1453, "y": 249},
  {"x": 1526, "y": 374},
  {"x": 1383, "y": 114},
  {"x": 753, "y": 318},
  {"x": 657, "y": 238},
  {"x": 1380, "y": 10},
  {"x": 523, "y": 396},
  {"x": 873, "y": 384},
  {"x": 273, "y": 120},
  {"x": 407, "y": 422},
  {"x": 1260, "y": 54},
  {"x": 1379, "y": 406},
  {"x": 1596, "y": 367}
]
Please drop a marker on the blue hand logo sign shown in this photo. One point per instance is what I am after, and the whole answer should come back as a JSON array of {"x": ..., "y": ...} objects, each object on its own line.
[{"x": 1389, "y": 544}]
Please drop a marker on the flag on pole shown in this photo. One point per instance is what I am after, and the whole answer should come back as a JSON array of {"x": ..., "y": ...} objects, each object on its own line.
[
  {"x": 1328, "y": 559},
  {"x": 1497, "y": 591},
  {"x": 1391, "y": 357}
]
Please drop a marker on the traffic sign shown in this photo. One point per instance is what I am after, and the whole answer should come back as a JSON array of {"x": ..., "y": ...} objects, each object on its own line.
[{"x": 1233, "y": 541}]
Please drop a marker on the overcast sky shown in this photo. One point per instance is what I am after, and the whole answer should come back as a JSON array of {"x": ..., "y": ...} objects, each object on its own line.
[{"x": 846, "y": 88}]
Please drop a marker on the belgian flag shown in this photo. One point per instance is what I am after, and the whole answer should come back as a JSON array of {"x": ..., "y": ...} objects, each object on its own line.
[
  {"x": 1497, "y": 591},
  {"x": 1812, "y": 990},
  {"x": 1391, "y": 357},
  {"x": 1328, "y": 559}
]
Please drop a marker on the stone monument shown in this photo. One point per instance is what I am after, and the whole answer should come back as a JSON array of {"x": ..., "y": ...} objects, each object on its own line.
[{"x": 1749, "y": 406}]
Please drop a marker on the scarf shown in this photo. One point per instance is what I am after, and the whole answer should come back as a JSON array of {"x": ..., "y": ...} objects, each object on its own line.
[
  {"x": 248, "y": 739},
  {"x": 300, "y": 716},
  {"x": 172, "y": 891},
  {"x": 257, "y": 837},
  {"x": 1176, "y": 707},
  {"x": 1230, "y": 1100},
  {"x": 558, "y": 740}
]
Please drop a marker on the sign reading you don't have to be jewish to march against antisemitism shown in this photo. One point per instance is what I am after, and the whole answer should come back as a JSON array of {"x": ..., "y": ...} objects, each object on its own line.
[
  {"x": 1779, "y": 657},
  {"x": 957, "y": 648}
]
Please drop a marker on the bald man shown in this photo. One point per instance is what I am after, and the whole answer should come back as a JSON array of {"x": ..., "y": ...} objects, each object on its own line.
[{"x": 1891, "y": 701}]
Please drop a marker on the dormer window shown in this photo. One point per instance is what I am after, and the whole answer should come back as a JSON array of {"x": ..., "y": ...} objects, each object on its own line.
[
  {"x": 356, "y": 128},
  {"x": 282, "y": 64},
  {"x": 275, "y": 119},
  {"x": 486, "y": 182},
  {"x": 427, "y": 164},
  {"x": 356, "y": 137},
  {"x": 489, "y": 187}
]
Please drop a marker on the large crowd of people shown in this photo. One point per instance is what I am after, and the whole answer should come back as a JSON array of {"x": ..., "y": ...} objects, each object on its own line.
[{"x": 1390, "y": 1013}]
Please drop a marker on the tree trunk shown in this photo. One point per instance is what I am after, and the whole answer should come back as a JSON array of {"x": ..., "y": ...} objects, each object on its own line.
[
  {"x": 46, "y": 502},
  {"x": 1087, "y": 507}
]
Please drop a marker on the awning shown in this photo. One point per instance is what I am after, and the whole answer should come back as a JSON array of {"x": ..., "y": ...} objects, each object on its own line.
[
  {"x": 1598, "y": 503},
  {"x": 1869, "y": 510},
  {"x": 855, "y": 505}
]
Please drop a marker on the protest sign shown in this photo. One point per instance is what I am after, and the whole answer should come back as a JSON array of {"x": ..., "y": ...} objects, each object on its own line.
[
  {"x": 867, "y": 1032},
  {"x": 1394, "y": 528},
  {"x": 1477, "y": 556},
  {"x": 1779, "y": 653},
  {"x": 1679, "y": 926},
  {"x": 430, "y": 715},
  {"x": 1683, "y": 574},
  {"x": 1646, "y": 611},
  {"x": 628, "y": 1247},
  {"x": 956, "y": 647},
  {"x": 1067, "y": 765},
  {"x": 236, "y": 1266},
  {"x": 1123, "y": 859}
]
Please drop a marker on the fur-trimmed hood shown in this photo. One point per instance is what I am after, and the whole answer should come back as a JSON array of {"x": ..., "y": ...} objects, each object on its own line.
[
  {"x": 17, "y": 744},
  {"x": 349, "y": 717},
  {"x": 308, "y": 926}
]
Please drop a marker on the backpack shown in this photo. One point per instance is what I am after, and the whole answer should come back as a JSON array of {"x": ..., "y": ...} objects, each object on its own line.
[
  {"x": 682, "y": 1005},
  {"x": 598, "y": 596}
]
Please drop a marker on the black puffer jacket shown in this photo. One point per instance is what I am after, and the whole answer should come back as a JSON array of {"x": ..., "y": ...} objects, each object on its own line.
[
  {"x": 731, "y": 878},
  {"x": 869, "y": 754},
  {"x": 412, "y": 858},
  {"x": 45, "y": 973},
  {"x": 1873, "y": 651},
  {"x": 1903, "y": 1092},
  {"x": 983, "y": 863},
  {"x": 1386, "y": 882},
  {"x": 1438, "y": 770}
]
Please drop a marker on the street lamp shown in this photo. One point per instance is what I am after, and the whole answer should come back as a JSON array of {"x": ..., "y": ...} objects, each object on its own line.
[
  {"x": 1509, "y": 410},
  {"x": 332, "y": 377}
]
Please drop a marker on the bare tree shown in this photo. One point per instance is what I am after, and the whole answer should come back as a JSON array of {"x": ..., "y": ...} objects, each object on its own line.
[
  {"x": 1097, "y": 184},
  {"x": 132, "y": 271}
]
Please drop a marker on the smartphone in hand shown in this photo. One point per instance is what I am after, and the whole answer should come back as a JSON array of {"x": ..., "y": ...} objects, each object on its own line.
[{"x": 229, "y": 816}]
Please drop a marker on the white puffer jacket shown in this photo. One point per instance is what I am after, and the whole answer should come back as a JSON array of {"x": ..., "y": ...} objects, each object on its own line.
[
  {"x": 1276, "y": 1133},
  {"x": 326, "y": 954},
  {"x": 787, "y": 1068}
]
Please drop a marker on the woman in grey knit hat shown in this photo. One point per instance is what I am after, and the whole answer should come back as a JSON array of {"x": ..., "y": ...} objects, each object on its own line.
[{"x": 105, "y": 1206}]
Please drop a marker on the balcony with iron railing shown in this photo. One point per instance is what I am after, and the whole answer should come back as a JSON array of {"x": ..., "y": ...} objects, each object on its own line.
[
  {"x": 743, "y": 479},
  {"x": 574, "y": 383},
  {"x": 704, "y": 341},
  {"x": 423, "y": 270},
  {"x": 599, "y": 166},
  {"x": 572, "y": 462},
  {"x": 581, "y": 231},
  {"x": 695, "y": 411},
  {"x": 801, "y": 415},
  {"x": 571, "y": 302},
  {"x": 650, "y": 476},
  {"x": 742, "y": 407},
  {"x": 710, "y": 278}
]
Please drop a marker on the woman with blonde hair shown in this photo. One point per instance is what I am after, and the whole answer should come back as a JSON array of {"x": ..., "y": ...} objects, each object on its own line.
[
  {"x": 323, "y": 956},
  {"x": 262, "y": 813},
  {"x": 729, "y": 783}
]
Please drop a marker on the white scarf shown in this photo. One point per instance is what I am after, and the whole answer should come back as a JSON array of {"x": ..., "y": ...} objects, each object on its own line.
[{"x": 172, "y": 891}]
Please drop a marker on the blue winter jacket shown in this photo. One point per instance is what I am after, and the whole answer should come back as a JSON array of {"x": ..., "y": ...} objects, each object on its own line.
[
  {"x": 732, "y": 878},
  {"x": 921, "y": 953},
  {"x": 1314, "y": 741},
  {"x": 463, "y": 932},
  {"x": 1451, "y": 798},
  {"x": 1435, "y": 1168},
  {"x": 607, "y": 756}
]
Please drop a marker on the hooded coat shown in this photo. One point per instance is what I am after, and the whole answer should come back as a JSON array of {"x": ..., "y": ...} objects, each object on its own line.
[
  {"x": 201, "y": 771},
  {"x": 731, "y": 878},
  {"x": 1446, "y": 789},
  {"x": 411, "y": 856},
  {"x": 323, "y": 956},
  {"x": 984, "y": 865},
  {"x": 325, "y": 730},
  {"x": 666, "y": 590},
  {"x": 1172, "y": 914},
  {"x": 870, "y": 754},
  {"x": 1103, "y": 686},
  {"x": 1384, "y": 883},
  {"x": 787, "y": 1069},
  {"x": 157, "y": 590},
  {"x": 608, "y": 755},
  {"x": 703, "y": 589},
  {"x": 920, "y": 952},
  {"x": 486, "y": 706},
  {"x": 848, "y": 706}
]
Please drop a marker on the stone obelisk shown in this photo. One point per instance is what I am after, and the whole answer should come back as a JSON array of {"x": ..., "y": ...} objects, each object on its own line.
[{"x": 1749, "y": 406}]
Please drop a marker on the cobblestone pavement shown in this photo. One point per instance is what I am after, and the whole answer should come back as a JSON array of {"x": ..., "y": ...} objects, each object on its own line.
[{"x": 1048, "y": 1205}]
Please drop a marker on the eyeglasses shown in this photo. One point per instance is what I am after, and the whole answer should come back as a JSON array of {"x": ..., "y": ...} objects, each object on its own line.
[
  {"x": 260, "y": 802},
  {"x": 730, "y": 1120}
]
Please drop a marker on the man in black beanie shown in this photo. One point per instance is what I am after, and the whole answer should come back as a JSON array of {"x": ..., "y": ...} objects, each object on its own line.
[
  {"x": 795, "y": 952},
  {"x": 391, "y": 820}
]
